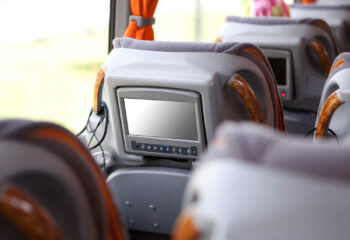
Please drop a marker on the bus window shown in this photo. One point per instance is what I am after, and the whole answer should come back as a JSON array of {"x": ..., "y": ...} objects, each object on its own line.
[
  {"x": 50, "y": 52},
  {"x": 195, "y": 20}
]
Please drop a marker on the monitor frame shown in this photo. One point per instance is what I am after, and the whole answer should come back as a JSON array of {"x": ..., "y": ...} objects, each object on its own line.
[
  {"x": 286, "y": 91},
  {"x": 158, "y": 146}
]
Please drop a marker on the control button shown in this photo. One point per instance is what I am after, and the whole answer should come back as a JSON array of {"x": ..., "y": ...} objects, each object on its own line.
[
  {"x": 134, "y": 145},
  {"x": 161, "y": 149},
  {"x": 283, "y": 94},
  {"x": 167, "y": 149},
  {"x": 155, "y": 148},
  {"x": 189, "y": 151},
  {"x": 156, "y": 225},
  {"x": 148, "y": 148},
  {"x": 143, "y": 147},
  {"x": 174, "y": 149},
  {"x": 194, "y": 151},
  {"x": 180, "y": 150}
]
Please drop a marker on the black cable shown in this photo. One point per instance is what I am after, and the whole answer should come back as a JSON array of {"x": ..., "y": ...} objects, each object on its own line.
[
  {"x": 99, "y": 143},
  {"x": 88, "y": 128},
  {"x": 106, "y": 116},
  {"x": 328, "y": 130},
  {"x": 333, "y": 133},
  {"x": 83, "y": 130},
  {"x": 93, "y": 131},
  {"x": 309, "y": 132}
]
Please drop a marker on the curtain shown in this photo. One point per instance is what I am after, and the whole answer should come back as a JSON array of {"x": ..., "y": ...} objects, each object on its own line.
[{"x": 146, "y": 9}]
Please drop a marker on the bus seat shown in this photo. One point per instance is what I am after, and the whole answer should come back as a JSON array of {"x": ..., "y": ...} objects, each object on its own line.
[
  {"x": 334, "y": 107},
  {"x": 50, "y": 186},
  {"x": 332, "y": 1},
  {"x": 336, "y": 14},
  {"x": 145, "y": 86},
  {"x": 255, "y": 184},
  {"x": 300, "y": 52}
]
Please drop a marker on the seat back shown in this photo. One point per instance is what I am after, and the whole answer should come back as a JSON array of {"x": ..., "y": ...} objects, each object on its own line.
[
  {"x": 300, "y": 51},
  {"x": 61, "y": 192},
  {"x": 257, "y": 184},
  {"x": 295, "y": 41},
  {"x": 226, "y": 80},
  {"x": 334, "y": 106},
  {"x": 335, "y": 13},
  {"x": 150, "y": 169}
]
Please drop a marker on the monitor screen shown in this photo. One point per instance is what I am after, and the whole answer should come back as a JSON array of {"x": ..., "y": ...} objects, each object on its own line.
[
  {"x": 279, "y": 67},
  {"x": 163, "y": 119}
]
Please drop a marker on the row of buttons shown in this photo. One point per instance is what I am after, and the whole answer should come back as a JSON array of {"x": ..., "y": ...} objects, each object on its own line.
[{"x": 164, "y": 149}]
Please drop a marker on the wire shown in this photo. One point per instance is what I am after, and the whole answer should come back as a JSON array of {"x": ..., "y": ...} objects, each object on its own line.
[
  {"x": 89, "y": 129},
  {"x": 83, "y": 130},
  {"x": 105, "y": 116},
  {"x": 309, "y": 132},
  {"x": 93, "y": 131},
  {"x": 328, "y": 130}
]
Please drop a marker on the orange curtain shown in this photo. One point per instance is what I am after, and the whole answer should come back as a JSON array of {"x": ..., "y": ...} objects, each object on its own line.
[
  {"x": 308, "y": 1},
  {"x": 146, "y": 9}
]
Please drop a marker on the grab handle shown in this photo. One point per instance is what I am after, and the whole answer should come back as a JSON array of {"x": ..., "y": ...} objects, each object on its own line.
[
  {"x": 322, "y": 54},
  {"x": 185, "y": 228},
  {"x": 247, "y": 94},
  {"x": 332, "y": 103},
  {"x": 28, "y": 215}
]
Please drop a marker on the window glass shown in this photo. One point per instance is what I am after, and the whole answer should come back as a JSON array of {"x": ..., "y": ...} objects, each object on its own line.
[
  {"x": 175, "y": 20},
  {"x": 50, "y": 52},
  {"x": 195, "y": 20}
]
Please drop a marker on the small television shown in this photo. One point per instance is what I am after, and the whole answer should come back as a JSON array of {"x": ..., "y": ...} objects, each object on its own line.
[
  {"x": 161, "y": 122},
  {"x": 279, "y": 67},
  {"x": 281, "y": 64}
]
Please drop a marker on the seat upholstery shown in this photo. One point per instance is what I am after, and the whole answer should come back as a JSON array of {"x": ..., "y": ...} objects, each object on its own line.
[
  {"x": 204, "y": 69},
  {"x": 334, "y": 106},
  {"x": 61, "y": 176},
  {"x": 335, "y": 13},
  {"x": 309, "y": 48},
  {"x": 193, "y": 67},
  {"x": 254, "y": 183}
]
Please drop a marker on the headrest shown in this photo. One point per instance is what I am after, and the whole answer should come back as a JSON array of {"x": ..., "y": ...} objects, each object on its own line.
[
  {"x": 221, "y": 47},
  {"x": 255, "y": 144},
  {"x": 69, "y": 152},
  {"x": 164, "y": 46},
  {"x": 286, "y": 21},
  {"x": 269, "y": 20},
  {"x": 341, "y": 62},
  {"x": 333, "y": 110},
  {"x": 335, "y": 6},
  {"x": 257, "y": 184},
  {"x": 246, "y": 50},
  {"x": 279, "y": 21}
]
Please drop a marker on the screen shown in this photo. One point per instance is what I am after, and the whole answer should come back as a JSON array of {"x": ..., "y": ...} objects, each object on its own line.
[
  {"x": 164, "y": 119},
  {"x": 279, "y": 67}
]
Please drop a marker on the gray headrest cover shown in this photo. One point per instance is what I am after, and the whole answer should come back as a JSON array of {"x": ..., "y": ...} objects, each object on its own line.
[
  {"x": 341, "y": 6},
  {"x": 222, "y": 47},
  {"x": 284, "y": 21},
  {"x": 19, "y": 130},
  {"x": 164, "y": 46},
  {"x": 343, "y": 56},
  {"x": 268, "y": 20},
  {"x": 257, "y": 144}
]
